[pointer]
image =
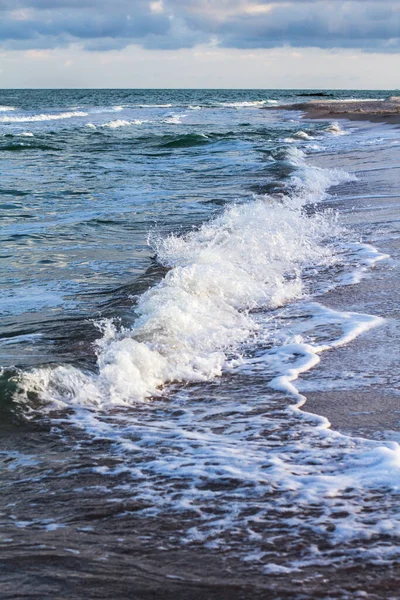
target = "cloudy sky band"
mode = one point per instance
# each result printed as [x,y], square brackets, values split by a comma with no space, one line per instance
[100,26]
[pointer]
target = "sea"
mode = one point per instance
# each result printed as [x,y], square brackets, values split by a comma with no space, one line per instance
[181,270]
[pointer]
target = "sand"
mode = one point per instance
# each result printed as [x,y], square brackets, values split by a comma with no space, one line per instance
[384,111]
[365,399]
[357,386]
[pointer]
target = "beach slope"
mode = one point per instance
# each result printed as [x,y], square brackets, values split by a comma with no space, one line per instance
[387,110]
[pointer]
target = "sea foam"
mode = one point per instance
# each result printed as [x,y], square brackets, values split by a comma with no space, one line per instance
[122,123]
[246,104]
[43,117]
[249,257]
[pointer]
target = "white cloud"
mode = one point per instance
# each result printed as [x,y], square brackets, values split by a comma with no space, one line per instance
[157,6]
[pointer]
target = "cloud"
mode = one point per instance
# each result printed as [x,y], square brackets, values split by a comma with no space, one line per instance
[101,25]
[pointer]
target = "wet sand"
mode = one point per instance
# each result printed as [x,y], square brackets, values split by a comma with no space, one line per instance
[357,386]
[381,111]
[390,119]
[372,117]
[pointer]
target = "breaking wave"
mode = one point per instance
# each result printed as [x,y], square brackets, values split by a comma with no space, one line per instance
[249,257]
[43,117]
[122,123]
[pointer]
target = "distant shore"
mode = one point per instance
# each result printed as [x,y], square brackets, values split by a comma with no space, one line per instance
[378,111]
[390,119]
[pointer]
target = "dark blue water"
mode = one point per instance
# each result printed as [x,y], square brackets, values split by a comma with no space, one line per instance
[172,445]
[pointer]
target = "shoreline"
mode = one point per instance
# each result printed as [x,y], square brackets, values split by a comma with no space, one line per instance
[365,400]
[379,111]
[388,119]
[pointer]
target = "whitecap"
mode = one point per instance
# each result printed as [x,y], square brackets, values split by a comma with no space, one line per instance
[174,119]
[302,135]
[250,256]
[243,104]
[122,123]
[116,124]
[43,117]
[335,129]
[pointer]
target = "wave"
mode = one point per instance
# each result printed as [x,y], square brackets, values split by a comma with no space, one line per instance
[187,140]
[6,108]
[116,124]
[249,257]
[246,103]
[302,135]
[153,105]
[173,119]
[123,123]
[107,109]
[43,117]
[335,129]
[299,135]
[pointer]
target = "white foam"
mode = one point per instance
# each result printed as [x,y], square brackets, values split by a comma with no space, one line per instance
[154,105]
[309,183]
[26,134]
[123,123]
[174,119]
[104,109]
[246,104]
[43,117]
[6,108]
[116,124]
[335,129]
[359,100]
[365,257]
[282,468]
[302,135]
[307,354]
[250,256]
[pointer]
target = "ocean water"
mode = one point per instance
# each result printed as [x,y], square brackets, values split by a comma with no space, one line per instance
[168,259]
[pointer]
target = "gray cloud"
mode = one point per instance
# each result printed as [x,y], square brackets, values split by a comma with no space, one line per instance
[105,24]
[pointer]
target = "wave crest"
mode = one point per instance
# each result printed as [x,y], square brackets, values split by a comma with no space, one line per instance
[251,256]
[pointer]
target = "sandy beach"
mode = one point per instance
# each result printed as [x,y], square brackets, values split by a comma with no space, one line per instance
[365,400]
[377,111]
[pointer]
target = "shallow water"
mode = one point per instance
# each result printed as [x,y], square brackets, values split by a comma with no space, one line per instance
[171,260]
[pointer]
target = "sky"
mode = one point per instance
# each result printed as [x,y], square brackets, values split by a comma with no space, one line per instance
[200,43]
